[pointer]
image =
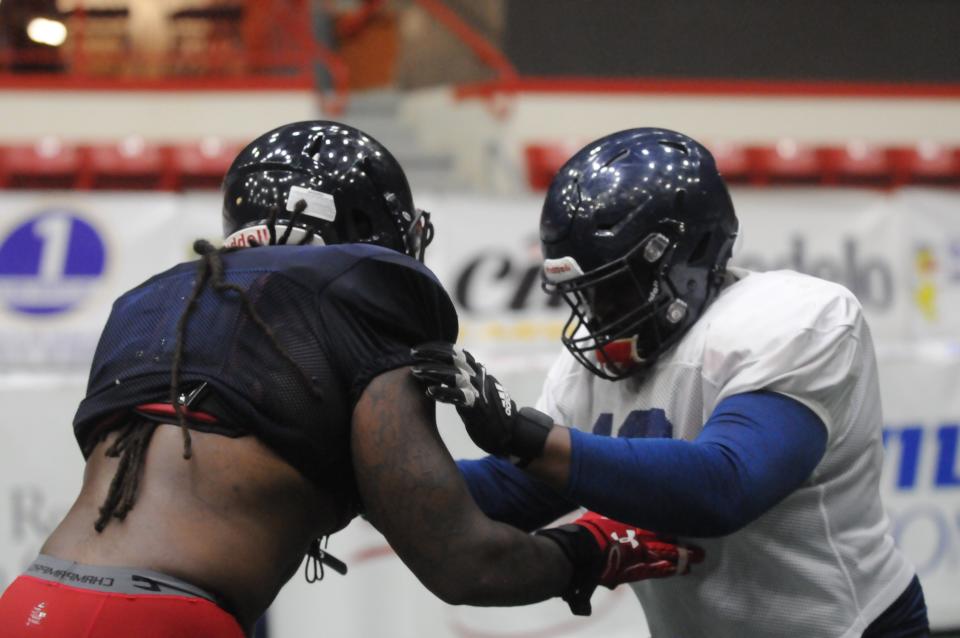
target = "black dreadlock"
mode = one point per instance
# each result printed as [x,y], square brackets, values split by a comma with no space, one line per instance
[131,446]
[134,438]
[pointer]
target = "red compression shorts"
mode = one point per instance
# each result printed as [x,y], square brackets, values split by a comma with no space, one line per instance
[60,599]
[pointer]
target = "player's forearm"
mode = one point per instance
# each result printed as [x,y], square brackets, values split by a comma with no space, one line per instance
[553,466]
[413,493]
[498,565]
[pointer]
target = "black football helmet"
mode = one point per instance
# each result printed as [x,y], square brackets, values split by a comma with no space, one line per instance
[321,182]
[636,230]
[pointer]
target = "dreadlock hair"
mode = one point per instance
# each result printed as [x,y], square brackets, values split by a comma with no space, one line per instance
[134,438]
[131,446]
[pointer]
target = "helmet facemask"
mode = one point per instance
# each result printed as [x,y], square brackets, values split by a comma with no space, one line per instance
[624,313]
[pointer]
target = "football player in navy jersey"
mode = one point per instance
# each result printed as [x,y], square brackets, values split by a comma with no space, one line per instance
[735,409]
[242,406]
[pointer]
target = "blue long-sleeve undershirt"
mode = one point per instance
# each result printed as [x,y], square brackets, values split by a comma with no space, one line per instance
[755,449]
[508,494]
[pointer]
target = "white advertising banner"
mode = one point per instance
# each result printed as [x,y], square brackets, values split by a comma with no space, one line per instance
[65,257]
[200,218]
[41,463]
[931,261]
[921,481]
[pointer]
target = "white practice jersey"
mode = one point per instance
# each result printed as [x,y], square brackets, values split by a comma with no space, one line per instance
[822,561]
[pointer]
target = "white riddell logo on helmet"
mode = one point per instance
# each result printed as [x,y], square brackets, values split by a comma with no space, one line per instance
[260,236]
[563,269]
[256,236]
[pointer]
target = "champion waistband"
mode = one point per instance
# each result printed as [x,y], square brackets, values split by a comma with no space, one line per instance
[118,580]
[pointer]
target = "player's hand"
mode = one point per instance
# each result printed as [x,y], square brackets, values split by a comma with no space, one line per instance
[451,375]
[609,553]
[632,554]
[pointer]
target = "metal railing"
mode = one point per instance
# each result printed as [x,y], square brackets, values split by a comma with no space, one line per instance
[253,44]
[481,47]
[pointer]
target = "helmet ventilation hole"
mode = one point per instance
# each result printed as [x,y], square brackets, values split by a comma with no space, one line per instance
[675,146]
[315,146]
[605,227]
[617,157]
[700,251]
[679,199]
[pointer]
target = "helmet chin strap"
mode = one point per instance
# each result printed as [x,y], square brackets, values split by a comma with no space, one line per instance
[419,235]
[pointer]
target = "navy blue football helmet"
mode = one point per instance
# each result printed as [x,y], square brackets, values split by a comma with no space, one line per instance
[321,182]
[636,230]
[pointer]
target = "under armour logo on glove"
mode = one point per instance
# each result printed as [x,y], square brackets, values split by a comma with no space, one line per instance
[606,552]
[636,554]
[630,538]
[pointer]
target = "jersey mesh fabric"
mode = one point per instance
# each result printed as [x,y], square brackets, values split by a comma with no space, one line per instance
[343,313]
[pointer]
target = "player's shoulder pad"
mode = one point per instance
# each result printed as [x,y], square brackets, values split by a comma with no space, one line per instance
[785,332]
[183,269]
[385,255]
[322,262]
[396,288]
[764,309]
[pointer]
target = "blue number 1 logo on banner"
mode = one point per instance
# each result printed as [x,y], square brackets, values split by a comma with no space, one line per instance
[49,263]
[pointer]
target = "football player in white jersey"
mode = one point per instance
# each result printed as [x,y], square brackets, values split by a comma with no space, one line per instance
[738,410]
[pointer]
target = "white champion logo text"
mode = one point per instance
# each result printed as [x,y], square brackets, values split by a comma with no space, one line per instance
[37,614]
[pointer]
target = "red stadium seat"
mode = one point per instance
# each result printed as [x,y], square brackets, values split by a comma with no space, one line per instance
[543,160]
[49,163]
[202,164]
[856,163]
[786,162]
[136,164]
[925,163]
[129,164]
[732,160]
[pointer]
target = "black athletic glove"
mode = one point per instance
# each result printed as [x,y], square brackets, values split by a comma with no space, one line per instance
[453,376]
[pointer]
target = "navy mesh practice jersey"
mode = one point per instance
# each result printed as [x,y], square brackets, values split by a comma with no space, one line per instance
[345,314]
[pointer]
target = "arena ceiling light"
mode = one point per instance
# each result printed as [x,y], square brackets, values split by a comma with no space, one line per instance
[46,31]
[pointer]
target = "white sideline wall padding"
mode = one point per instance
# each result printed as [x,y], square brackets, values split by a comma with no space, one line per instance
[65,256]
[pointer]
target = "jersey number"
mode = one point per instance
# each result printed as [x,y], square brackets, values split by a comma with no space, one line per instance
[646,424]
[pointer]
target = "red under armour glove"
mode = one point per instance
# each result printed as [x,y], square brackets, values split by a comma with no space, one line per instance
[609,553]
[633,554]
